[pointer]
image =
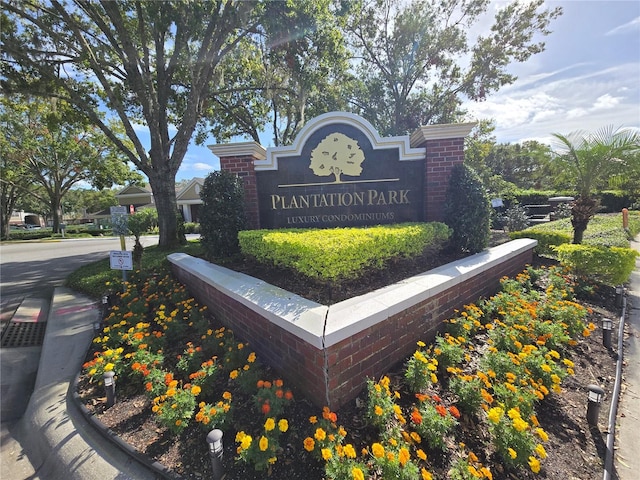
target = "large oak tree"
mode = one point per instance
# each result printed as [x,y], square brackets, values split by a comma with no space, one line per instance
[46,144]
[417,60]
[148,65]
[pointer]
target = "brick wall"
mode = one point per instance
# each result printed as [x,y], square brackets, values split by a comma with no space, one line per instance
[243,167]
[442,156]
[334,374]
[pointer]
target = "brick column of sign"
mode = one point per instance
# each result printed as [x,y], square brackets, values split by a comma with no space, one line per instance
[442,155]
[243,167]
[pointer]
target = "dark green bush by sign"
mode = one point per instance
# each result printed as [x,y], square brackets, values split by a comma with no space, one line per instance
[467,211]
[222,215]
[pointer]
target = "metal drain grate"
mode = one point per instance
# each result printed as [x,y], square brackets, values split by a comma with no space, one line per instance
[23,334]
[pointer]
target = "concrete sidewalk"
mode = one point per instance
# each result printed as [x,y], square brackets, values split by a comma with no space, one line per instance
[59,442]
[627,444]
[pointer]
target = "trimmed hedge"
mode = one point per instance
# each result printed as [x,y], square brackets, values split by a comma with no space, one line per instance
[611,266]
[547,240]
[339,253]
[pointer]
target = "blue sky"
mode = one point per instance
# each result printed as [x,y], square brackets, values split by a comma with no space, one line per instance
[587,78]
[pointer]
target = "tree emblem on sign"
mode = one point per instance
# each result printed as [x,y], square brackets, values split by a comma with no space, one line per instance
[336,155]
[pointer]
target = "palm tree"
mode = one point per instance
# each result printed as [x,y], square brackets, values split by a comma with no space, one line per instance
[592,159]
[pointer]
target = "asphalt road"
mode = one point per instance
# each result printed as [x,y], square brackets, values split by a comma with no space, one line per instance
[34,268]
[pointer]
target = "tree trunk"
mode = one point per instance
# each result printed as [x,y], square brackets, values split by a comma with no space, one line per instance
[164,196]
[582,212]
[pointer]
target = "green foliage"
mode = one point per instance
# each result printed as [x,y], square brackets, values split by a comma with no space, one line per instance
[603,230]
[191,227]
[91,279]
[611,266]
[546,239]
[412,69]
[142,221]
[334,254]
[222,214]
[613,201]
[467,211]
[515,218]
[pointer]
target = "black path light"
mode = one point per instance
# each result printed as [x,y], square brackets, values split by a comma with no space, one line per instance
[619,295]
[595,396]
[607,326]
[214,440]
[110,387]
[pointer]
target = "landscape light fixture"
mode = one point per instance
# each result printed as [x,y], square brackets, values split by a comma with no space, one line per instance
[595,396]
[607,325]
[110,387]
[214,440]
[619,295]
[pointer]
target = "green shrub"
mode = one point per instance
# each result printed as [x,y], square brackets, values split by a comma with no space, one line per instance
[546,239]
[222,214]
[611,266]
[338,253]
[191,227]
[613,201]
[515,218]
[467,211]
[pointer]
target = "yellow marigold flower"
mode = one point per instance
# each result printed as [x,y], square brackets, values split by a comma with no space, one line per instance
[195,390]
[512,453]
[245,443]
[226,395]
[357,474]
[542,434]
[326,454]
[403,456]
[473,457]
[264,443]
[391,457]
[426,475]
[378,410]
[270,424]
[434,379]
[421,455]
[534,464]
[178,422]
[349,451]
[233,374]
[519,424]
[171,392]
[313,419]
[415,437]
[513,413]
[342,432]
[283,425]
[377,450]
[109,367]
[555,378]
[320,434]
[542,453]
[252,357]
[495,414]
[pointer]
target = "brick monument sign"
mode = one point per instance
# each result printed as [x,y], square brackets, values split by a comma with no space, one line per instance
[340,172]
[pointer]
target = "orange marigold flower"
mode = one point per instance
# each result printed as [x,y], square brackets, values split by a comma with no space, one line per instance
[309,444]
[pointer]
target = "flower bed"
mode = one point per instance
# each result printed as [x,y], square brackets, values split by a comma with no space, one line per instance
[497,362]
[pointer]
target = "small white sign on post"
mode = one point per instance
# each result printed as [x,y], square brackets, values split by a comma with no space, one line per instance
[121,260]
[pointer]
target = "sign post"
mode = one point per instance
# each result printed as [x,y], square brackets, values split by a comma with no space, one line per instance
[120,227]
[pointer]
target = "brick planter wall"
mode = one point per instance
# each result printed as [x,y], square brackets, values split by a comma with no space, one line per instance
[328,352]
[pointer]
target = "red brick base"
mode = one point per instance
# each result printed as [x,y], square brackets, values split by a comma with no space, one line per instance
[328,352]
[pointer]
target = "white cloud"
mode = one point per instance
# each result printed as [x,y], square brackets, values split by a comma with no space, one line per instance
[202,166]
[632,26]
[606,101]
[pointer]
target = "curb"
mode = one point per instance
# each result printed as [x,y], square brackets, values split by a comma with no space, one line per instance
[111,436]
